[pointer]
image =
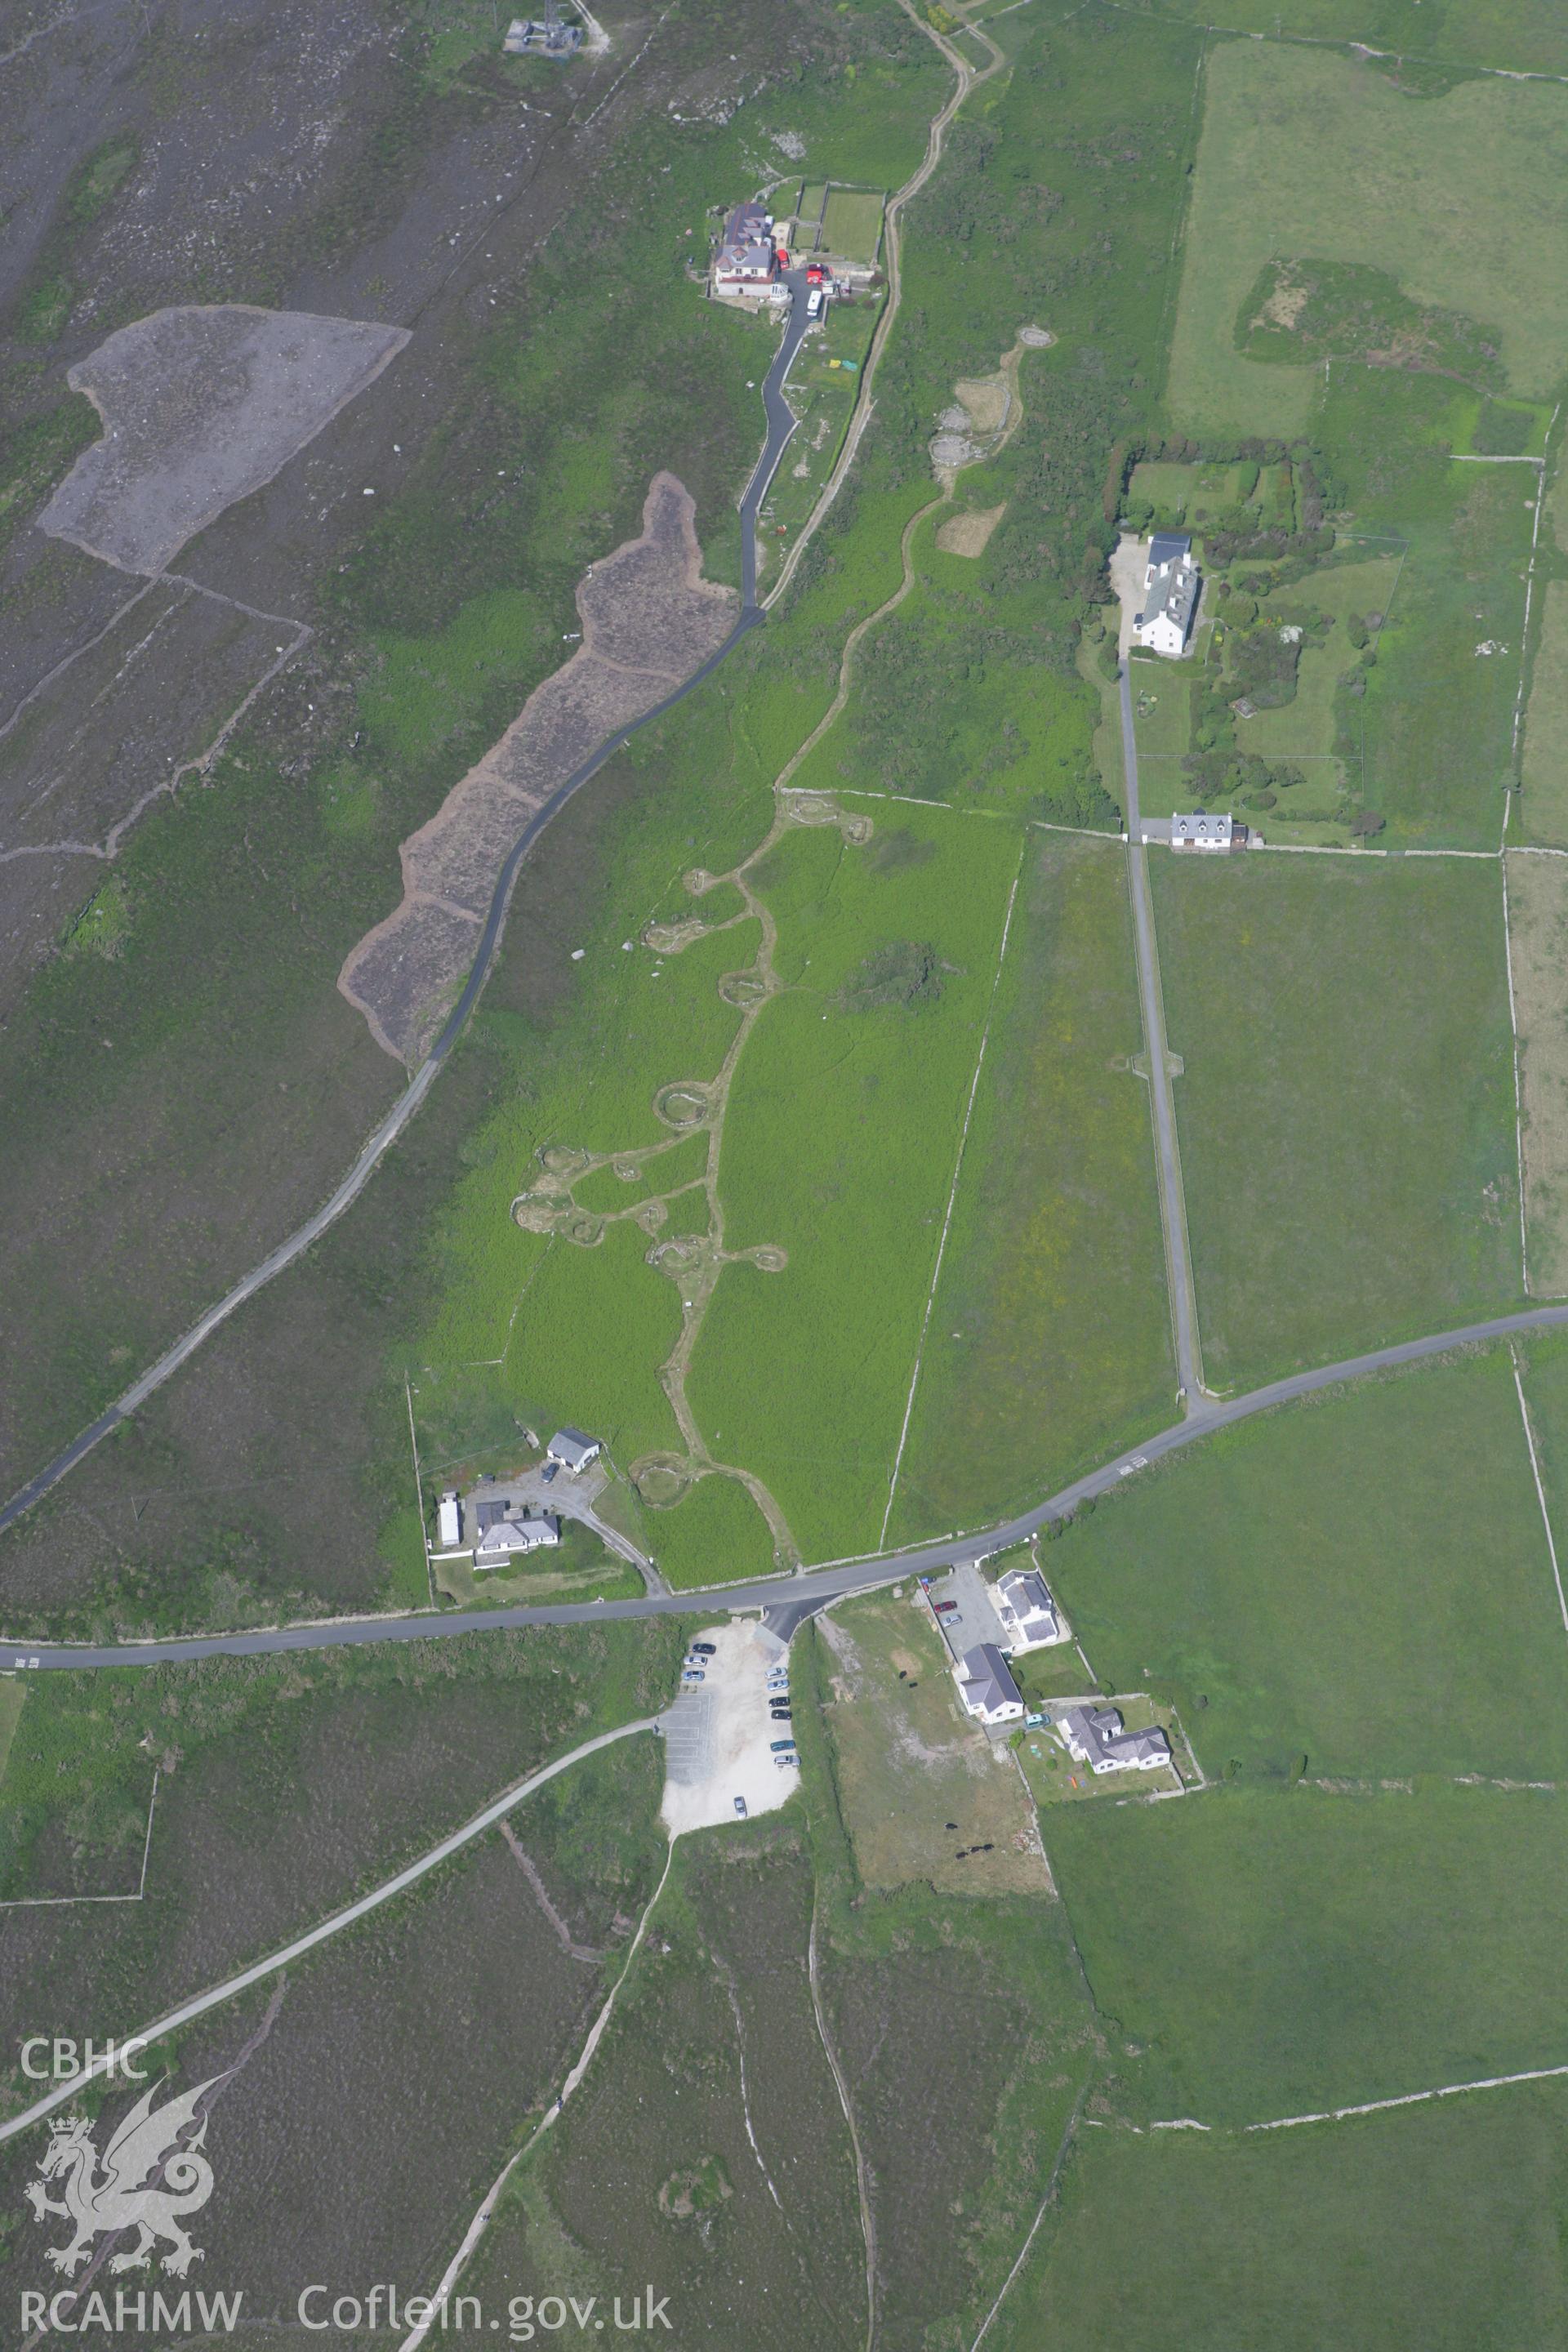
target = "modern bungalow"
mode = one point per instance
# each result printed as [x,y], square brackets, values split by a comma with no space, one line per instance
[1095,1735]
[985,1687]
[1171,585]
[504,1539]
[1029,1617]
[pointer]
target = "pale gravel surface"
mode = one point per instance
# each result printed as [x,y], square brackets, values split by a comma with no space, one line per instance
[718,1731]
[201,404]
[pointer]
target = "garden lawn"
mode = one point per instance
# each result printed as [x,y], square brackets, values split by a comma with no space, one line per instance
[840,1145]
[1346,1114]
[1279,1953]
[1463,197]
[1430,2230]
[1304,729]
[852,226]
[1049,1340]
[1360,1579]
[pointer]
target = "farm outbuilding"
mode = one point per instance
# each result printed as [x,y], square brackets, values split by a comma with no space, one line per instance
[573,1449]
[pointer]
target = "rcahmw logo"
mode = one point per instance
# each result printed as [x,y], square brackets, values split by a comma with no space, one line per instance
[150,2175]
[131,2310]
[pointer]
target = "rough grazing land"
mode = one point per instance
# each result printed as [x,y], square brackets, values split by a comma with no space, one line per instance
[909,1761]
[389,2077]
[649,619]
[1545,805]
[85,758]
[1538,926]
[1307,155]
[707,2150]
[201,406]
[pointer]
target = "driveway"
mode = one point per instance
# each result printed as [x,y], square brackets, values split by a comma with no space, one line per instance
[975,1619]
[717,1733]
[1128,566]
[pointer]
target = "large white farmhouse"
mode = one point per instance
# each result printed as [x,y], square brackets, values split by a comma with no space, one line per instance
[1171,584]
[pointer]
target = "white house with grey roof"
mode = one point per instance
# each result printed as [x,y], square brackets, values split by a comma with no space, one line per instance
[1171,582]
[1030,1618]
[511,1536]
[1202,830]
[985,1687]
[573,1449]
[1097,1736]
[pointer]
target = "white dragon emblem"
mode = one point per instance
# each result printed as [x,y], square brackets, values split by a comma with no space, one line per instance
[147,2184]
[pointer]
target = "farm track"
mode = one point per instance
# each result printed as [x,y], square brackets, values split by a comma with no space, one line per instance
[969,78]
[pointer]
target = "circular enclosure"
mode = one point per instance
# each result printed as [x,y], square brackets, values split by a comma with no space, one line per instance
[660,1480]
[682,1106]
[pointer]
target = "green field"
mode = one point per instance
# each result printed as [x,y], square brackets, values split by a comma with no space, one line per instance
[1544,1356]
[1524,36]
[1463,197]
[1543,808]
[1049,1339]
[840,1148]
[1432,715]
[1359,1580]
[714,1535]
[1346,1114]
[1424,2230]
[1273,1953]
[1015,737]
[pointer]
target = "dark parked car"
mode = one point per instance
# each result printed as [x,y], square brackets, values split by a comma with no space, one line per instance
[706,1649]
[782,1747]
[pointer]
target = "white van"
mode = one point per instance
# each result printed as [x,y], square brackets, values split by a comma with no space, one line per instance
[813,303]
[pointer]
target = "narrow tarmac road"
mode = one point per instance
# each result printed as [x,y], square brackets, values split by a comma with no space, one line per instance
[1168,1161]
[788,1599]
